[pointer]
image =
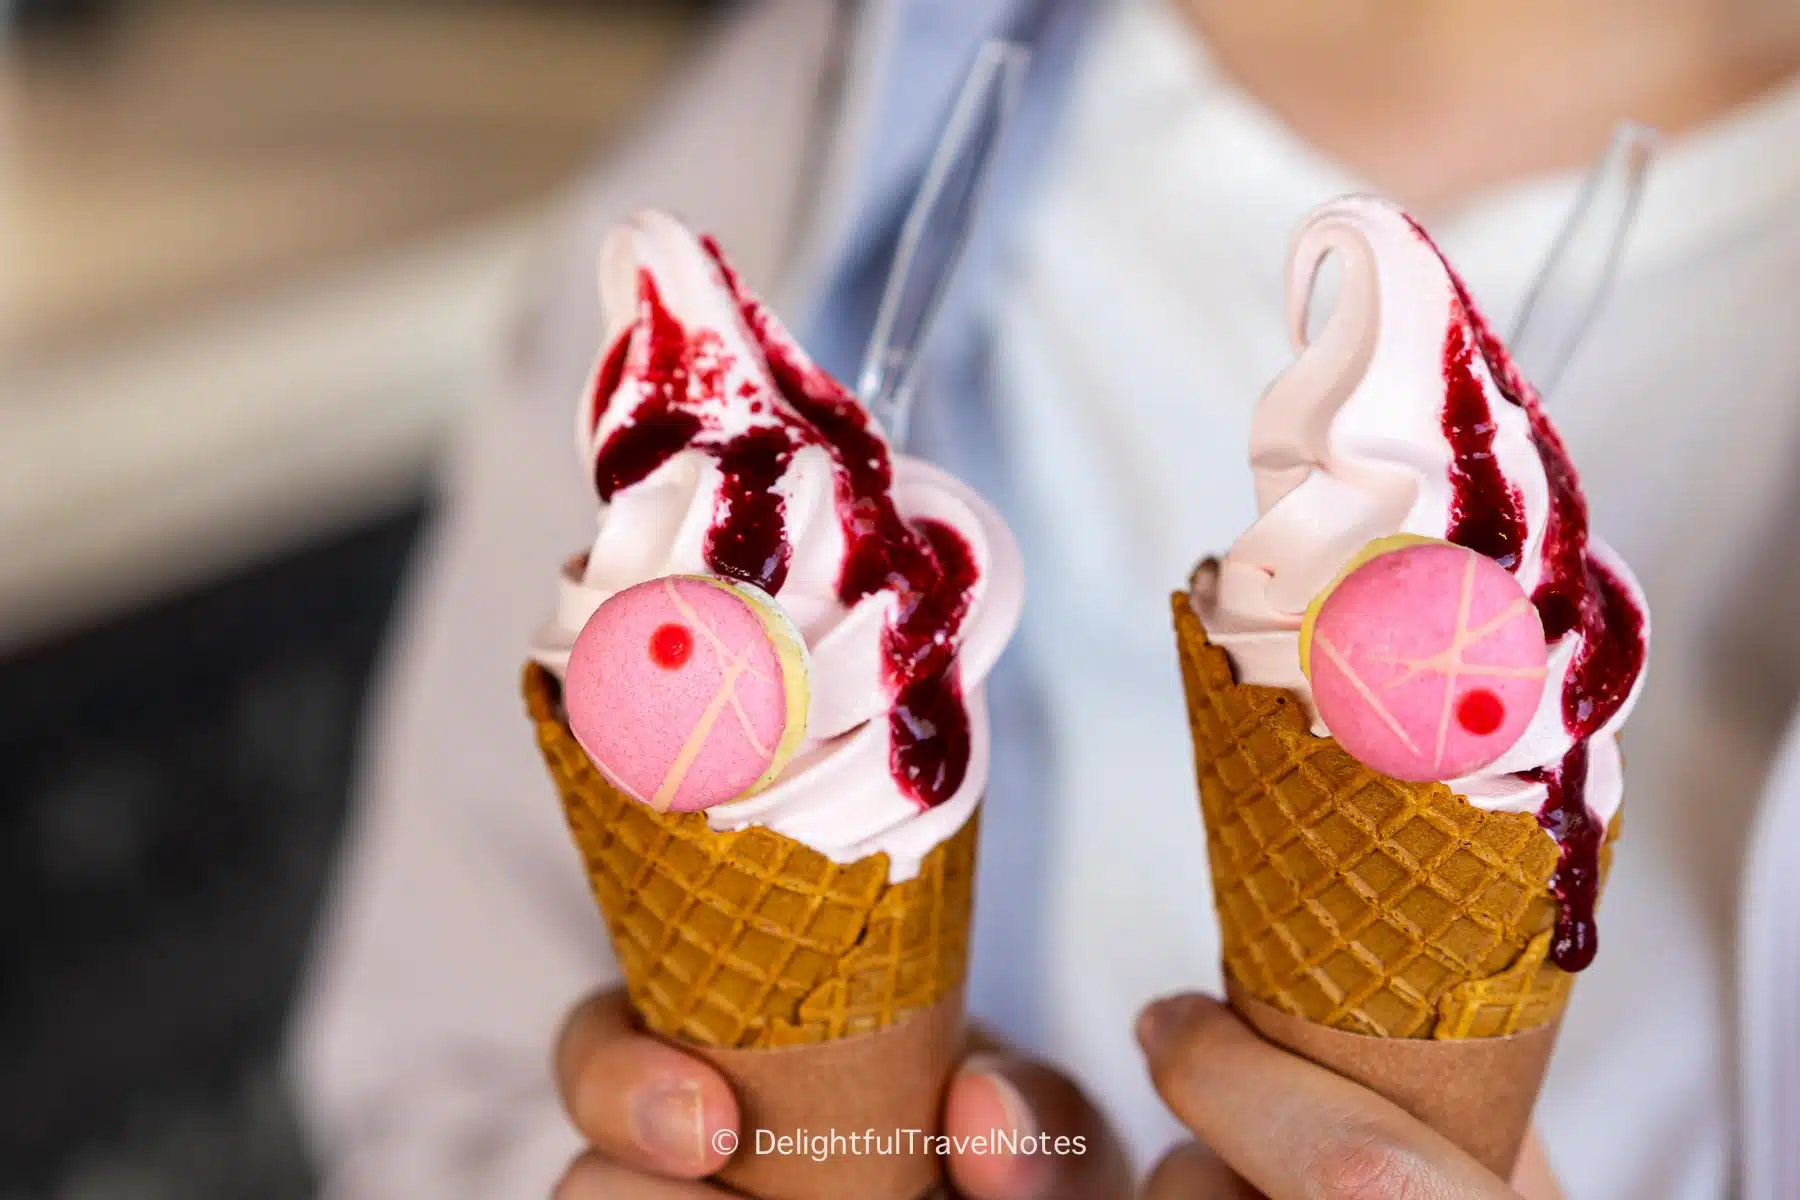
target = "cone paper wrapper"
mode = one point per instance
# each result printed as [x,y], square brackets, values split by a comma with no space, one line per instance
[890,1082]
[1478,1092]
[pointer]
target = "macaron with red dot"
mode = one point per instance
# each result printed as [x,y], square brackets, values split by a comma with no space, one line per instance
[688,691]
[1427,659]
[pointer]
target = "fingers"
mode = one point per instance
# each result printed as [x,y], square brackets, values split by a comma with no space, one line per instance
[1064,1146]
[636,1100]
[592,1177]
[1294,1130]
[1192,1172]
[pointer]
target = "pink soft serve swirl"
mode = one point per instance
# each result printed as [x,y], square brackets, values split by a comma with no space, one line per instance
[718,448]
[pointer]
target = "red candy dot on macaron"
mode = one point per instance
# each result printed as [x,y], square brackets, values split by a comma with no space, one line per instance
[671,645]
[1480,711]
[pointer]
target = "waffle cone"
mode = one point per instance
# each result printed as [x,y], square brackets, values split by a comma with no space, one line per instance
[749,939]
[1355,901]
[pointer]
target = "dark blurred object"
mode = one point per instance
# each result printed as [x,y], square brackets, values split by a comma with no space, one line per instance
[174,788]
[55,17]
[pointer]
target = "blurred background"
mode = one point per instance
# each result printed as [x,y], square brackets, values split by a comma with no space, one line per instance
[253,256]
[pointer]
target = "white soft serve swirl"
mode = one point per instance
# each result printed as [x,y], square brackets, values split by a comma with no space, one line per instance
[838,794]
[1348,445]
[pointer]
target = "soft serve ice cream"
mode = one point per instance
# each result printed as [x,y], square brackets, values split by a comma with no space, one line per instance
[1405,415]
[718,449]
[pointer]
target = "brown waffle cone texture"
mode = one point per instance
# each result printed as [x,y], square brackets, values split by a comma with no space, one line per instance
[750,939]
[1353,900]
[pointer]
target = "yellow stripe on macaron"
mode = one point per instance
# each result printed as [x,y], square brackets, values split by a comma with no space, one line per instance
[796,672]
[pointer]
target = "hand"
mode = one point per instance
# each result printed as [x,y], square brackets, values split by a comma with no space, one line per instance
[995,1090]
[1269,1123]
[651,1113]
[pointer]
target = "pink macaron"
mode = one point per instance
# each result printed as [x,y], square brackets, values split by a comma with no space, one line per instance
[688,691]
[1427,659]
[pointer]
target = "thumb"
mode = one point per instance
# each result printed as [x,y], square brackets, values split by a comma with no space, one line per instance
[1020,1131]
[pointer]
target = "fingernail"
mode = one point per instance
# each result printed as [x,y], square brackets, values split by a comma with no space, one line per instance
[667,1120]
[1019,1117]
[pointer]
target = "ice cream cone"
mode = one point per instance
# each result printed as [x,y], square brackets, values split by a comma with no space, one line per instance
[1364,919]
[830,997]
[1405,684]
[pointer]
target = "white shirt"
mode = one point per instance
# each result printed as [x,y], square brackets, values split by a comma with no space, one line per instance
[1135,335]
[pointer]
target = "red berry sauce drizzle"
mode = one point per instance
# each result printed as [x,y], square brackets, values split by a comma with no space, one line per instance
[1575,593]
[679,376]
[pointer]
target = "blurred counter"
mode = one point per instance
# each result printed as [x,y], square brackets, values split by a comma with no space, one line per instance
[146,463]
[253,257]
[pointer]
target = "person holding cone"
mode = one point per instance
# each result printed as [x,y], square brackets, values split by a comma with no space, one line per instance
[1094,376]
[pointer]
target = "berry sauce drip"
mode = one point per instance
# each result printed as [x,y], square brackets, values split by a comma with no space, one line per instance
[681,377]
[1599,680]
[930,724]
[1576,882]
[606,382]
[748,538]
[1486,514]
[1564,588]
[1575,593]
[926,565]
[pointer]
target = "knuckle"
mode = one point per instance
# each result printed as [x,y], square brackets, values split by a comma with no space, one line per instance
[1357,1161]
